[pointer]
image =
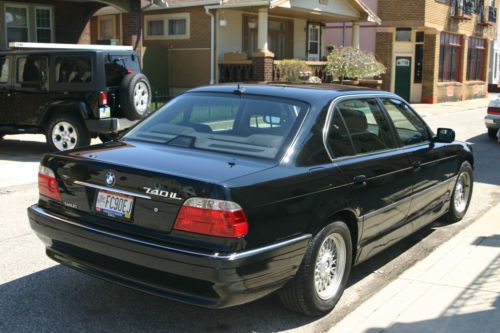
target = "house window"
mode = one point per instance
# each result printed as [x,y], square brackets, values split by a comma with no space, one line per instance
[280,37]
[16,23]
[177,27]
[43,23]
[168,26]
[475,59]
[155,28]
[107,27]
[449,57]
[403,34]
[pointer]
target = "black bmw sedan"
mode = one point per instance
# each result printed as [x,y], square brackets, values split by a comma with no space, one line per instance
[229,193]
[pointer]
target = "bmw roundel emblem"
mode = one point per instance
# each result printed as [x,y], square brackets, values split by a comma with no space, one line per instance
[110,178]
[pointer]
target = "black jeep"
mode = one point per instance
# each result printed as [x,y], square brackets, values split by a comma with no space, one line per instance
[71,96]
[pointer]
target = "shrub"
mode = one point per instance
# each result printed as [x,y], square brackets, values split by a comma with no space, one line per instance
[293,70]
[353,63]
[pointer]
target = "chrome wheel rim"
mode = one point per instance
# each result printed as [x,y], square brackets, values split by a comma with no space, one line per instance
[330,266]
[141,97]
[462,192]
[64,136]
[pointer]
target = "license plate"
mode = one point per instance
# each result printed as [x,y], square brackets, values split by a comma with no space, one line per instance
[114,204]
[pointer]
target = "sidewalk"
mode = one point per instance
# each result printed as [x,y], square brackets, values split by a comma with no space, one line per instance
[448,107]
[455,289]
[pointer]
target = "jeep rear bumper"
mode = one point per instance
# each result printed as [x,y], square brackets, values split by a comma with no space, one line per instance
[108,125]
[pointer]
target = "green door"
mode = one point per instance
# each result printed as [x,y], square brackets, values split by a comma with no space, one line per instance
[403,77]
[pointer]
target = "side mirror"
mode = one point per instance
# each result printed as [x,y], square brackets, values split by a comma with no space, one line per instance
[445,135]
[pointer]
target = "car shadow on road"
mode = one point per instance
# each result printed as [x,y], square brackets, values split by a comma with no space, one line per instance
[22,151]
[59,299]
[487,159]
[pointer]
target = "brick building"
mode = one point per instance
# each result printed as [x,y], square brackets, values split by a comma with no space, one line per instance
[64,21]
[436,50]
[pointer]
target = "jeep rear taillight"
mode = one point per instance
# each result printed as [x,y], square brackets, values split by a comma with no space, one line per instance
[211,217]
[47,184]
[103,98]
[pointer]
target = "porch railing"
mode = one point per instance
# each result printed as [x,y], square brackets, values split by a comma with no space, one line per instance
[492,14]
[235,71]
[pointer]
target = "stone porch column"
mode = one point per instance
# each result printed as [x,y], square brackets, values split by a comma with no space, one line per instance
[132,27]
[355,35]
[263,59]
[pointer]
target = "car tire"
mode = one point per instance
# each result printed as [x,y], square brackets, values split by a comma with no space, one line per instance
[135,96]
[461,195]
[66,131]
[304,293]
[492,133]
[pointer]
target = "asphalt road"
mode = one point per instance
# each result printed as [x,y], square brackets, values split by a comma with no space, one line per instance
[39,295]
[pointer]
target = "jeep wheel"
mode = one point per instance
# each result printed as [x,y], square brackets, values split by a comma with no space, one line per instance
[64,132]
[135,96]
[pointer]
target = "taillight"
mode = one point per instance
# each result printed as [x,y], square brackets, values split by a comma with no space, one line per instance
[493,110]
[103,98]
[47,184]
[129,70]
[212,217]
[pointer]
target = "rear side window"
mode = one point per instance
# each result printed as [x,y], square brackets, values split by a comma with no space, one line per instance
[32,72]
[4,69]
[74,69]
[410,129]
[368,127]
[117,67]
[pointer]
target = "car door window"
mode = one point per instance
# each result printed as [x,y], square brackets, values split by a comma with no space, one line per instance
[32,72]
[338,140]
[367,125]
[4,69]
[409,127]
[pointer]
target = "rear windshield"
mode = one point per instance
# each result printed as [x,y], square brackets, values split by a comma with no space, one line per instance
[117,66]
[246,125]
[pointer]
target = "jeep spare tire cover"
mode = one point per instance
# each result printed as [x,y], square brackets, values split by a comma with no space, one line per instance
[135,96]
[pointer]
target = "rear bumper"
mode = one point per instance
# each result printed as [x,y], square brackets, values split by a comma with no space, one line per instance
[492,121]
[109,125]
[211,280]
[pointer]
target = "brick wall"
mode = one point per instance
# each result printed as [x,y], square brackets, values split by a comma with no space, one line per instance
[430,69]
[132,26]
[383,52]
[401,13]
[263,68]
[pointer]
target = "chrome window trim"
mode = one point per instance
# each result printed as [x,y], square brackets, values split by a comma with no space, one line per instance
[329,117]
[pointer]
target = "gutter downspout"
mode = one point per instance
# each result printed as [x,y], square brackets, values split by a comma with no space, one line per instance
[212,45]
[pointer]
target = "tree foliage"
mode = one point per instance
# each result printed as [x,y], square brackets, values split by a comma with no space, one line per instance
[353,63]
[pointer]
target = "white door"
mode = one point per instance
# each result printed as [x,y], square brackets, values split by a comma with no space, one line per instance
[314,42]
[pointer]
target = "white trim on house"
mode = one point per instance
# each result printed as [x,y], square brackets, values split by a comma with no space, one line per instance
[165,18]
[16,5]
[52,30]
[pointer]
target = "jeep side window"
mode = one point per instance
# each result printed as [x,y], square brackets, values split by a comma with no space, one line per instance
[4,69]
[73,69]
[32,72]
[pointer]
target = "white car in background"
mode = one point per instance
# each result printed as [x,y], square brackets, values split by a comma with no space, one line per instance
[492,119]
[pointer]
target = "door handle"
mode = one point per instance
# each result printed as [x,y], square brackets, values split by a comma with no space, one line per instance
[359,180]
[417,165]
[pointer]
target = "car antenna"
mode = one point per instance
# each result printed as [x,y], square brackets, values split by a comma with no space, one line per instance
[239,90]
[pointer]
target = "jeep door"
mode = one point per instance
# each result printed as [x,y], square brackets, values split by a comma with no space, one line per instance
[368,157]
[7,114]
[30,88]
[434,164]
